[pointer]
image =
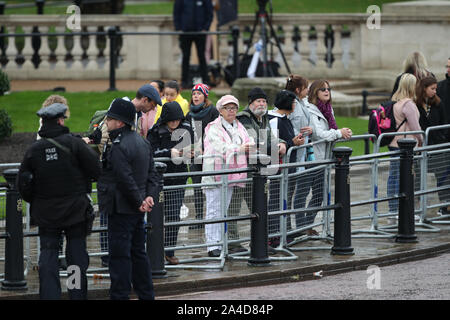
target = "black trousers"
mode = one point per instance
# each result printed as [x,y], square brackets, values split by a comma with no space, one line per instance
[76,256]
[185,45]
[128,260]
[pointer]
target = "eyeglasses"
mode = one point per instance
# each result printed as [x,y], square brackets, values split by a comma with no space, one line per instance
[448,67]
[325,89]
[231,109]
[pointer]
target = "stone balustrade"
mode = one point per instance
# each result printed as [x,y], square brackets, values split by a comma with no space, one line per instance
[354,50]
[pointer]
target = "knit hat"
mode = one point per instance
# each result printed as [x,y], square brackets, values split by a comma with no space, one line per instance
[203,88]
[284,100]
[151,93]
[226,99]
[122,110]
[171,111]
[256,93]
[53,111]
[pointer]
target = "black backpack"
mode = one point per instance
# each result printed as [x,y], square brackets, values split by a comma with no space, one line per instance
[382,120]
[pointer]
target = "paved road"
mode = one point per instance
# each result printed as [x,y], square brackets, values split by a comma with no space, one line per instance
[427,279]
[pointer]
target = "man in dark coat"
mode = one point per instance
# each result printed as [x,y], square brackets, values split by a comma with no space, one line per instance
[55,177]
[193,16]
[130,187]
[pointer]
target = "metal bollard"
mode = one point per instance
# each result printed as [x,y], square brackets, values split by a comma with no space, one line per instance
[259,255]
[14,276]
[406,226]
[155,236]
[342,226]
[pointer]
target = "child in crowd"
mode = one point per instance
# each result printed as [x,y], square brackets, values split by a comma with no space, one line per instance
[172,93]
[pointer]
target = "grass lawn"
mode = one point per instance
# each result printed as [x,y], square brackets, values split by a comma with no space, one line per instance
[22,107]
[244,6]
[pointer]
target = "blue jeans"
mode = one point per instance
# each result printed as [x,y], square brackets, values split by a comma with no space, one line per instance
[313,180]
[393,182]
[128,260]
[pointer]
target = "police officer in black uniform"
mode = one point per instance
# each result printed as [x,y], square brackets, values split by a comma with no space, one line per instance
[129,184]
[55,177]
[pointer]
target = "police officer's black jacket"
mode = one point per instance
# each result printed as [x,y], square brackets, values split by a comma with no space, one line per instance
[162,141]
[128,175]
[61,178]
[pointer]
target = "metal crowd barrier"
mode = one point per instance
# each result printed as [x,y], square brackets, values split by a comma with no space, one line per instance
[191,244]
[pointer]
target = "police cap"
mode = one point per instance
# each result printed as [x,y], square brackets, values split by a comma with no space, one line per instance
[53,111]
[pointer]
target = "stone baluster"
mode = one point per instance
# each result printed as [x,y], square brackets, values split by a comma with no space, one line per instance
[355,39]
[287,47]
[60,51]
[337,50]
[321,49]
[11,52]
[106,57]
[44,51]
[305,50]
[224,48]
[27,51]
[77,53]
[92,50]
[122,51]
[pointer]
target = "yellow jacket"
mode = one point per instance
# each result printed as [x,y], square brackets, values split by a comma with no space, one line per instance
[184,104]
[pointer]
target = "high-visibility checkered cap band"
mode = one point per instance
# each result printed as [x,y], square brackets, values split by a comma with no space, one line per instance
[203,88]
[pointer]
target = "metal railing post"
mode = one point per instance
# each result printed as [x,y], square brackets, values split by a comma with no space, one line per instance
[406,224]
[14,276]
[155,235]
[259,254]
[40,6]
[235,35]
[364,94]
[342,223]
[112,34]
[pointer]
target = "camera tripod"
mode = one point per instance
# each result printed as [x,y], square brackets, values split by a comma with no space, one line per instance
[262,17]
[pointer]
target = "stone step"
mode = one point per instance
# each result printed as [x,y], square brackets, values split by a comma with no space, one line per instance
[357,91]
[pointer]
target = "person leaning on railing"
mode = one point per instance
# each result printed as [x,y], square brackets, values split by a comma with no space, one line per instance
[324,127]
[227,138]
[171,137]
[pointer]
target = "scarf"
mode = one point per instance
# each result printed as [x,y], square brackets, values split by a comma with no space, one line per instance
[232,130]
[198,111]
[327,112]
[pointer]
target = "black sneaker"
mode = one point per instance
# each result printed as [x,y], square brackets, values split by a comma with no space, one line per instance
[214,253]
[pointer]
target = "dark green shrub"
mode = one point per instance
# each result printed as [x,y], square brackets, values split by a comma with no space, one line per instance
[4,82]
[5,124]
